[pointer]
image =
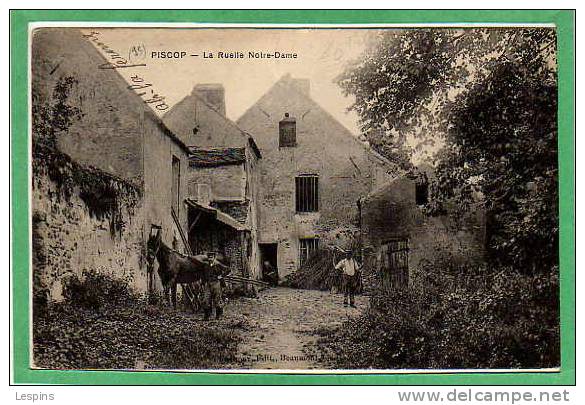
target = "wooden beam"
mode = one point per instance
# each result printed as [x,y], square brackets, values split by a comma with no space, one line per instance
[194,223]
[183,237]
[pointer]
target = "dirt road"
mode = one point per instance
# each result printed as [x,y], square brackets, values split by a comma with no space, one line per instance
[281,323]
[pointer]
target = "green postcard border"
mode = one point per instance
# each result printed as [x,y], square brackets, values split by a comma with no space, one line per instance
[19,20]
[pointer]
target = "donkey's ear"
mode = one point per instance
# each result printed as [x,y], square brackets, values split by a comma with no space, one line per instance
[159,235]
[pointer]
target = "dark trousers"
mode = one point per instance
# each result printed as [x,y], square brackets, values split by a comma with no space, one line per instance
[212,298]
[349,285]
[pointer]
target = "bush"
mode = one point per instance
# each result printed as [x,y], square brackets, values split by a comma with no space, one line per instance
[456,317]
[95,289]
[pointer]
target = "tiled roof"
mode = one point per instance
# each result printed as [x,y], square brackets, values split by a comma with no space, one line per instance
[216,157]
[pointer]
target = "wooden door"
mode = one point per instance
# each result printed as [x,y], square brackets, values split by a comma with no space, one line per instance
[394,263]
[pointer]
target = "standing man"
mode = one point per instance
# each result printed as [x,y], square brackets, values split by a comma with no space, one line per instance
[349,277]
[270,273]
[212,291]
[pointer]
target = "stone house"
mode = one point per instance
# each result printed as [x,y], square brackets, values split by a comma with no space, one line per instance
[312,173]
[222,179]
[115,170]
[301,182]
[399,238]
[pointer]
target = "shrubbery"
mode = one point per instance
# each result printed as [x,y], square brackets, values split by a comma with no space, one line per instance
[102,325]
[456,317]
[94,289]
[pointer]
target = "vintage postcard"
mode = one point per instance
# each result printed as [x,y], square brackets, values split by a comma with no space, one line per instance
[299,199]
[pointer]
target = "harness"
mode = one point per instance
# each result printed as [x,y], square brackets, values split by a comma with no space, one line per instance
[156,250]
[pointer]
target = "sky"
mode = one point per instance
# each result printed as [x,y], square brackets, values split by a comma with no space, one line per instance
[322,56]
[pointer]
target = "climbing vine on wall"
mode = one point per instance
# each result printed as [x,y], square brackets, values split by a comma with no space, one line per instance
[101,192]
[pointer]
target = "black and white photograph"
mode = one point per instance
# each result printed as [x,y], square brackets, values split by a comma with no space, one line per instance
[299,199]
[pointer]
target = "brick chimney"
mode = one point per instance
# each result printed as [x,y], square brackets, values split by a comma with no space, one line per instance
[213,94]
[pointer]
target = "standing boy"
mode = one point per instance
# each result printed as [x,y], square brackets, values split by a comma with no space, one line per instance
[350,278]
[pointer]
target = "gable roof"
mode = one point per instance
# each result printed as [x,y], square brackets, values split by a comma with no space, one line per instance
[288,83]
[92,51]
[200,125]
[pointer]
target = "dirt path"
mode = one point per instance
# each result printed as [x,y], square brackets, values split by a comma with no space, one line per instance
[281,321]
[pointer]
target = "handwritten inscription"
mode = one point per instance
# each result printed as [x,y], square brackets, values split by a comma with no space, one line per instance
[138,84]
[117,61]
[146,92]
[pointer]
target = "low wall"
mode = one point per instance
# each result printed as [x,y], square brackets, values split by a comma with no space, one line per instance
[84,219]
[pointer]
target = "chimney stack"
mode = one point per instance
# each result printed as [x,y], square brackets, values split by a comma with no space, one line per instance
[213,94]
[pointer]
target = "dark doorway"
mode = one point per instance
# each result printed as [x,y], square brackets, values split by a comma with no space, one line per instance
[269,257]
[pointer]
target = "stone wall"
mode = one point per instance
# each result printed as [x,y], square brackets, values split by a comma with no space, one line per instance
[159,150]
[238,210]
[71,235]
[347,170]
[227,181]
[210,235]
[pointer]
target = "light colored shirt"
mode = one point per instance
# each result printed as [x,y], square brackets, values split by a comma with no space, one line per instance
[348,266]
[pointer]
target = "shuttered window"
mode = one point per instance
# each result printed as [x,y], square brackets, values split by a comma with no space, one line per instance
[307,193]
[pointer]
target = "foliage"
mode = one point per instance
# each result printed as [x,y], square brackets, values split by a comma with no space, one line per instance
[482,103]
[101,192]
[94,289]
[40,292]
[458,317]
[513,156]
[54,116]
[102,325]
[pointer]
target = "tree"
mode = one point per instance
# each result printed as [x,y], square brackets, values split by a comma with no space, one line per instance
[482,104]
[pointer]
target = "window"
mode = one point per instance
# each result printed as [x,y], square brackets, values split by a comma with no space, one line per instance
[308,246]
[307,193]
[287,132]
[176,185]
[422,193]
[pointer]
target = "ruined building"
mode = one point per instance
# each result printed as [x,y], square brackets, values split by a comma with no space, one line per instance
[312,173]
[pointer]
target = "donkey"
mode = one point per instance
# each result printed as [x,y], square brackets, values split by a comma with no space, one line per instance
[175,268]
